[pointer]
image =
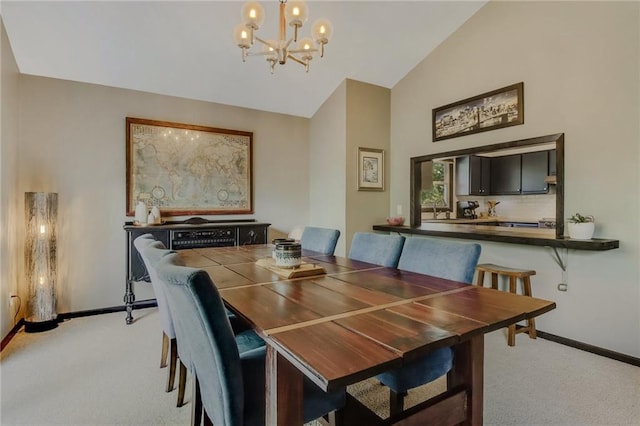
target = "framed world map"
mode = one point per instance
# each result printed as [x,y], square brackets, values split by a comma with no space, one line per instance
[186,169]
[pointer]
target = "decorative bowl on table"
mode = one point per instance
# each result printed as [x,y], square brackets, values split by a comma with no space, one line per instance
[395,221]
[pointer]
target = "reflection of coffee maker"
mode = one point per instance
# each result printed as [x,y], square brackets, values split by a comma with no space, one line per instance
[467,209]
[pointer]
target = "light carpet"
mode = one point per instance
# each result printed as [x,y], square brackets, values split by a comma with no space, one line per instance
[99,371]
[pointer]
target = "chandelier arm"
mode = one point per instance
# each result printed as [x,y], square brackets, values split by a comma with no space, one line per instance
[302,50]
[286,46]
[259,53]
[295,59]
[266,43]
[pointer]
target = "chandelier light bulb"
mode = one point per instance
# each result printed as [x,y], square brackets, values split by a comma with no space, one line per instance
[296,13]
[307,48]
[242,36]
[253,14]
[322,31]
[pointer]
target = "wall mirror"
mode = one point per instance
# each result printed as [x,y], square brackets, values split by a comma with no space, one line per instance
[435,186]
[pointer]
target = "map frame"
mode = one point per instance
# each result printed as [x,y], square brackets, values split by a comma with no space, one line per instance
[138,183]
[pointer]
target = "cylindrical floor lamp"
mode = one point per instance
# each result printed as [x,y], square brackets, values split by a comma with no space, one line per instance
[41,214]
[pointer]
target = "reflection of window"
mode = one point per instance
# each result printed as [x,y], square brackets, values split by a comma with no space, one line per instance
[436,188]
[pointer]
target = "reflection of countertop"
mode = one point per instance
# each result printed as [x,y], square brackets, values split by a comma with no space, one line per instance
[483,220]
[476,231]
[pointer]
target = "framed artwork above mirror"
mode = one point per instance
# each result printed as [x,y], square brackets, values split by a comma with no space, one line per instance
[499,108]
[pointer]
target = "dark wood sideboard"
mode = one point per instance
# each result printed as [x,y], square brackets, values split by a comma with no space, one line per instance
[188,234]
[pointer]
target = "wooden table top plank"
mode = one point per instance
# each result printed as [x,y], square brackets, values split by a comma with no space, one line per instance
[315,297]
[376,281]
[265,308]
[334,356]
[532,306]
[400,334]
[227,257]
[434,283]
[195,259]
[363,294]
[254,273]
[349,264]
[457,324]
[257,251]
[224,277]
[330,268]
[496,308]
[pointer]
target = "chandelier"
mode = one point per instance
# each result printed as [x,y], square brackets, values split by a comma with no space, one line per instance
[295,13]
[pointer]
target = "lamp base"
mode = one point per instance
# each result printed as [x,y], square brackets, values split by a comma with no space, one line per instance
[37,327]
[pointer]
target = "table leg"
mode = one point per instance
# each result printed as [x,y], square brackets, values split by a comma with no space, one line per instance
[468,365]
[283,391]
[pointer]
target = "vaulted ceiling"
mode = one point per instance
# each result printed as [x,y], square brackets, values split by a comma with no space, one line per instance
[186,48]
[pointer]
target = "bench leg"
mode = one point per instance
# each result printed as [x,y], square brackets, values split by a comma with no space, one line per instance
[531,323]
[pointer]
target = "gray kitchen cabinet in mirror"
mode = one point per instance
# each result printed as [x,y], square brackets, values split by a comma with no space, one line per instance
[548,159]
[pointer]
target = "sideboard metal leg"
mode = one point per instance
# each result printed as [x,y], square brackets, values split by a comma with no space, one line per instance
[129,298]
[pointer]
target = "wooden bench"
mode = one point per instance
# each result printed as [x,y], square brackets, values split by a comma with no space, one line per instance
[514,274]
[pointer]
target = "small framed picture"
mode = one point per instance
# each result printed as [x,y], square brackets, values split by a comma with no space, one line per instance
[370,169]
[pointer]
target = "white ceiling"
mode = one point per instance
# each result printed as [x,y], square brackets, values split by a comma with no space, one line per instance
[186,49]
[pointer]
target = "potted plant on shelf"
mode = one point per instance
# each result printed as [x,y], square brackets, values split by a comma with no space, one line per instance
[581,227]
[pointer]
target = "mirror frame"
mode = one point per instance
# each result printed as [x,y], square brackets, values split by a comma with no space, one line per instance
[558,138]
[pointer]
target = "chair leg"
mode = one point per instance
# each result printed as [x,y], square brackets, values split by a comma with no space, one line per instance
[165,350]
[196,407]
[396,402]
[531,323]
[172,365]
[334,418]
[511,339]
[182,383]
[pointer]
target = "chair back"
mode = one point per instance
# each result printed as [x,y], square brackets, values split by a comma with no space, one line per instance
[155,253]
[380,249]
[322,240]
[444,259]
[195,300]
[141,243]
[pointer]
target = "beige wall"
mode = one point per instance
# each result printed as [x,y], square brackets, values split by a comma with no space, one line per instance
[327,139]
[10,250]
[355,115]
[368,126]
[580,65]
[72,141]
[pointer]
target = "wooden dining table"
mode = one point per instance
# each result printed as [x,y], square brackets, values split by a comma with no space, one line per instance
[357,320]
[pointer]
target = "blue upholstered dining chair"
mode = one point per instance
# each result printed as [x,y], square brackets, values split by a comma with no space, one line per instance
[151,251]
[322,240]
[231,381]
[380,249]
[246,340]
[444,259]
[169,345]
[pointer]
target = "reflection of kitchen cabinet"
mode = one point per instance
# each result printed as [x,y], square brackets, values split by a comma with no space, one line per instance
[535,167]
[473,175]
[506,174]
